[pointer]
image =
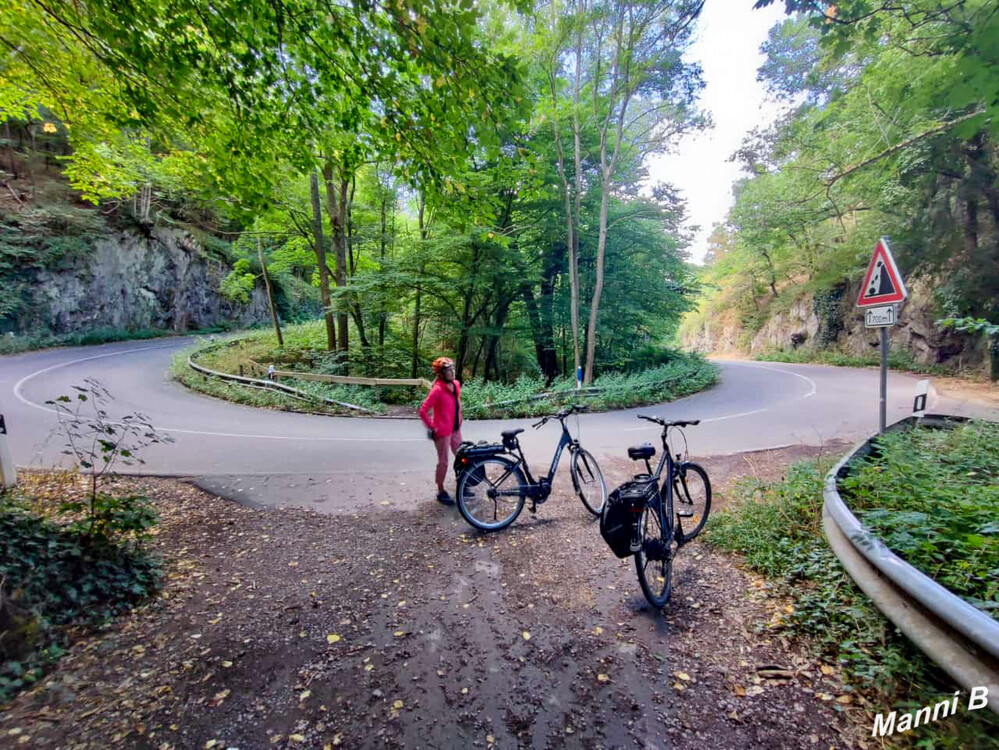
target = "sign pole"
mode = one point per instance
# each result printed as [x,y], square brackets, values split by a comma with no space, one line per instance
[880,293]
[8,474]
[884,379]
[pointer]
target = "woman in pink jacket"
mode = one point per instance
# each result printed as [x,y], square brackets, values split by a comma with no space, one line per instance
[444,428]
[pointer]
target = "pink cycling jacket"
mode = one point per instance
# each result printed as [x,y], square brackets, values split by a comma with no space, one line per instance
[442,402]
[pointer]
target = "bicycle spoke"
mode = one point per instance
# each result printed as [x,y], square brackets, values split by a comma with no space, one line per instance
[491,495]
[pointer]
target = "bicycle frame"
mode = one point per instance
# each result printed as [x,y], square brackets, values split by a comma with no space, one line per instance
[665,461]
[540,490]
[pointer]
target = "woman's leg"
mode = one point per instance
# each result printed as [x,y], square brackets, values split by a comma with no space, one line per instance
[442,444]
[455,441]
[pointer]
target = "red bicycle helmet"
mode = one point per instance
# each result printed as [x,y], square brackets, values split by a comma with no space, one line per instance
[440,363]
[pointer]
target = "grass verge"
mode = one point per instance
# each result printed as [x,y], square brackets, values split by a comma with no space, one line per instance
[902,361]
[17,344]
[777,527]
[261,397]
[682,375]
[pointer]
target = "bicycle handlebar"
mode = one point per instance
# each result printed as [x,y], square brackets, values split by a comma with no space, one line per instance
[675,423]
[561,414]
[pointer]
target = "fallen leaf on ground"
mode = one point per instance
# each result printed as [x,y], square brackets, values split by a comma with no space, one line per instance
[332,638]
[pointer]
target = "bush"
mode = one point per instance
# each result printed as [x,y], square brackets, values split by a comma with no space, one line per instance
[932,495]
[55,576]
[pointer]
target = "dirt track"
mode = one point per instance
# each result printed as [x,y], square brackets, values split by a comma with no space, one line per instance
[290,629]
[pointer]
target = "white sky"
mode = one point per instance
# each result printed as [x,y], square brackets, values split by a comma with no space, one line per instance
[727,45]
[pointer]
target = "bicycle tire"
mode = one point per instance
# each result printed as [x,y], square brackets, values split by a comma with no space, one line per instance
[588,481]
[693,496]
[657,588]
[474,502]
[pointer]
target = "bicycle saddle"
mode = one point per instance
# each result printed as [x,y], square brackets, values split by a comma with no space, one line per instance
[640,452]
[511,433]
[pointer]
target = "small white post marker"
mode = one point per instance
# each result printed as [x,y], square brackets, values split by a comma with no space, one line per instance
[8,474]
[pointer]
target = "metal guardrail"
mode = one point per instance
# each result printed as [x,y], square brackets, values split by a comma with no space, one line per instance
[573,393]
[961,639]
[344,379]
[266,384]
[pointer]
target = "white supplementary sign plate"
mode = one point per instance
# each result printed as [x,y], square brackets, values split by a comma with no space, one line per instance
[881,317]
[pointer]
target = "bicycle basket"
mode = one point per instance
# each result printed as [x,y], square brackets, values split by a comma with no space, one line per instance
[621,514]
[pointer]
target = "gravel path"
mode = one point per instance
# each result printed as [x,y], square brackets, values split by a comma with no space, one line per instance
[389,628]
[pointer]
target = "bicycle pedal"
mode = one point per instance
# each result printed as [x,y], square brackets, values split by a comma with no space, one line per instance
[533,508]
[685,513]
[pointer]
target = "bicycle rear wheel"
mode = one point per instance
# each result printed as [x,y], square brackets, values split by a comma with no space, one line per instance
[654,560]
[491,493]
[691,500]
[588,481]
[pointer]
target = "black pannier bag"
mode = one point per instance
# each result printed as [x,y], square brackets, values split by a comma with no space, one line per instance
[469,453]
[623,511]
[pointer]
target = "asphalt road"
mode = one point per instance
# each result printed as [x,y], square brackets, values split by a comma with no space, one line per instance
[332,463]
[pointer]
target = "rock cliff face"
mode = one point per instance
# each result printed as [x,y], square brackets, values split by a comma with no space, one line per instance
[132,281]
[832,321]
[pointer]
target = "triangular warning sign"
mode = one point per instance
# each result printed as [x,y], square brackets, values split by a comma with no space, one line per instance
[883,283]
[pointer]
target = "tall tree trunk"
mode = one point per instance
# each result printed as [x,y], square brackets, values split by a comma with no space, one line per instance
[571,215]
[416,330]
[336,200]
[478,356]
[355,305]
[598,287]
[320,249]
[416,315]
[492,350]
[534,318]
[574,240]
[550,270]
[10,148]
[270,294]
[382,315]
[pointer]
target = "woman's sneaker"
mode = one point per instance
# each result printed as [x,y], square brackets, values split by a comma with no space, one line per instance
[444,498]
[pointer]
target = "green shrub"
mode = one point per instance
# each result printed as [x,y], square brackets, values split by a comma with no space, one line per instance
[55,576]
[932,496]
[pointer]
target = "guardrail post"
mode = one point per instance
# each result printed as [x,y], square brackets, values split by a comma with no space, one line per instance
[8,474]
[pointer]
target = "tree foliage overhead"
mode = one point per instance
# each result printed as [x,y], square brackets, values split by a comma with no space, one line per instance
[890,129]
[390,165]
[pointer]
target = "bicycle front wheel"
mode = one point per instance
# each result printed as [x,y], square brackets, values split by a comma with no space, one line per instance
[691,500]
[654,559]
[491,493]
[588,481]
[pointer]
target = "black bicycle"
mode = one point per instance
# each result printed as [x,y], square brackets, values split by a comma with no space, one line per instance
[654,517]
[493,487]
